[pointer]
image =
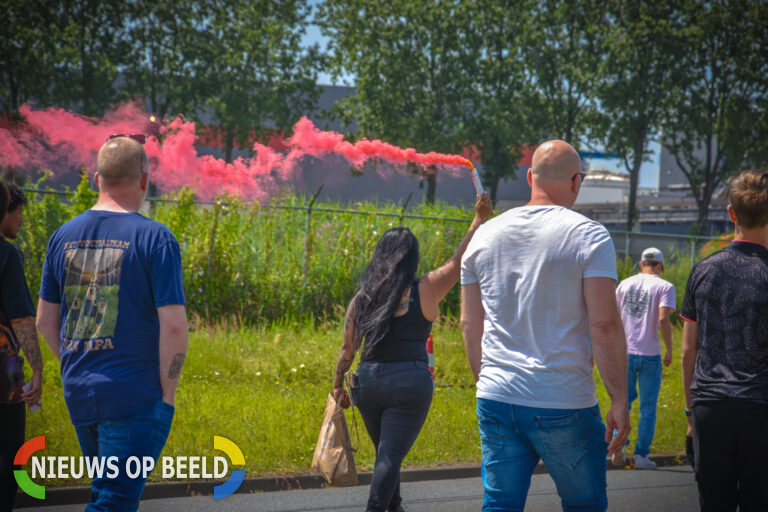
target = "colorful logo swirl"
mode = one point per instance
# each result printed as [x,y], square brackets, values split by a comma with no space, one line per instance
[22,477]
[236,478]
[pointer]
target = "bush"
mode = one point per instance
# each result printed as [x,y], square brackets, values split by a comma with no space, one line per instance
[247,261]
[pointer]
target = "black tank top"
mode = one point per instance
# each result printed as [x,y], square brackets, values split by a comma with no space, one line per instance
[407,336]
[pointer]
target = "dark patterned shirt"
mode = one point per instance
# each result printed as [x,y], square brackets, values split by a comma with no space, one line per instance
[727,295]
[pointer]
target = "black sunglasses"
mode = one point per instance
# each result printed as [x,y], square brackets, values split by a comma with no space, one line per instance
[581,175]
[138,137]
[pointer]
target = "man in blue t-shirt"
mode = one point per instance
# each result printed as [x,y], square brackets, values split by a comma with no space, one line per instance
[112,310]
[725,357]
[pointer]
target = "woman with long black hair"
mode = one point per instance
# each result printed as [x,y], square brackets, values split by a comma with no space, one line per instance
[391,317]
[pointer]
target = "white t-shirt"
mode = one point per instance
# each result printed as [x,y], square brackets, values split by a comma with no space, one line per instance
[639,298]
[530,263]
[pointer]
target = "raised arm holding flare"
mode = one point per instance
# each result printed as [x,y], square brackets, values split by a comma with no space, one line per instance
[391,318]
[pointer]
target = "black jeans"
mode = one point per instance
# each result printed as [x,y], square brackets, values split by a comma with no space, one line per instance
[13,419]
[394,400]
[731,450]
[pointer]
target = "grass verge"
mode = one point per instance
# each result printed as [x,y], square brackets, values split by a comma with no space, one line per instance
[265,389]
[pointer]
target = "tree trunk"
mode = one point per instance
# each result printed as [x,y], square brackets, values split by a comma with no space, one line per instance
[13,100]
[431,186]
[229,143]
[703,216]
[495,179]
[634,178]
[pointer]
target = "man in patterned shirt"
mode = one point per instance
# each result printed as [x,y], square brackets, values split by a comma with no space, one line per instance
[645,301]
[725,357]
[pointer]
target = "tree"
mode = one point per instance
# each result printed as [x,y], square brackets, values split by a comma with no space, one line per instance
[27,49]
[166,42]
[499,120]
[91,45]
[410,60]
[561,46]
[256,74]
[715,123]
[643,50]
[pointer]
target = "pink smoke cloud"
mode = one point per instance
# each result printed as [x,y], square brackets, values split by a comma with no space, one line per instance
[60,140]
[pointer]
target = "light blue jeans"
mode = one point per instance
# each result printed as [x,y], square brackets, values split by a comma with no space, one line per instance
[143,434]
[570,442]
[645,372]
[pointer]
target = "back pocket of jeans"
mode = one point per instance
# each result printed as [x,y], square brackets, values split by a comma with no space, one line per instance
[115,430]
[562,435]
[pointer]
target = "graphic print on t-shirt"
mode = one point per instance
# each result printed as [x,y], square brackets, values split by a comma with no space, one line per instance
[636,302]
[91,285]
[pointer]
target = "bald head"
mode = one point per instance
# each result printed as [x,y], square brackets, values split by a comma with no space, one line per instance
[121,161]
[555,160]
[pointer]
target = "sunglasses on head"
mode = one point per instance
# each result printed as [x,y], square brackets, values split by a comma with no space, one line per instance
[138,137]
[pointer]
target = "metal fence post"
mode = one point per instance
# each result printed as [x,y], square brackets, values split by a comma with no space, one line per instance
[402,211]
[693,251]
[627,244]
[211,247]
[307,242]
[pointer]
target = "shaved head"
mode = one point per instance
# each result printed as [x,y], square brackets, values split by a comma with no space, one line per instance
[555,160]
[121,161]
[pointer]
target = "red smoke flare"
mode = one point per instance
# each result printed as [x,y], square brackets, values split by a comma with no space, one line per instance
[61,141]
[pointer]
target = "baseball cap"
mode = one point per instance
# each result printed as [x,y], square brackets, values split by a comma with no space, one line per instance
[652,254]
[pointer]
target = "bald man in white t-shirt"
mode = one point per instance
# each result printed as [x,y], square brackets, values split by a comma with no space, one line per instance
[538,282]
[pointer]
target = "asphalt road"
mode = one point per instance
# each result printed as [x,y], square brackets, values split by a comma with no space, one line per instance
[670,489]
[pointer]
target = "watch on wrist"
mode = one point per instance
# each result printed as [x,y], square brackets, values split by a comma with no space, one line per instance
[688,413]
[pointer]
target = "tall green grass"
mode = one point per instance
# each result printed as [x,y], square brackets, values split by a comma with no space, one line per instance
[247,261]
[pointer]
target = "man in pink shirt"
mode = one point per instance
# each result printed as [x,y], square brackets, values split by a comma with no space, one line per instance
[645,301]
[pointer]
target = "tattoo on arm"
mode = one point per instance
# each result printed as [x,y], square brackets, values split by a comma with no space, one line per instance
[438,272]
[26,333]
[343,365]
[175,369]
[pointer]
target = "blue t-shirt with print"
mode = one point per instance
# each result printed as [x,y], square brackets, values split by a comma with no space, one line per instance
[110,272]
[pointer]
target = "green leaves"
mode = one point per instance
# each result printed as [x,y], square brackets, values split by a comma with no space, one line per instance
[409,62]
[255,73]
[715,125]
[643,44]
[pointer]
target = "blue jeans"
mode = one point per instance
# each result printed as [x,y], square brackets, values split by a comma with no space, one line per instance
[393,399]
[570,442]
[143,434]
[645,371]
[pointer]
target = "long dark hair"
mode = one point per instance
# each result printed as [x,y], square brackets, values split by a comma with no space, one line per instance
[391,271]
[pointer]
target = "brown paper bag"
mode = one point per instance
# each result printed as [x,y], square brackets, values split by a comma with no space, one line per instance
[334,456]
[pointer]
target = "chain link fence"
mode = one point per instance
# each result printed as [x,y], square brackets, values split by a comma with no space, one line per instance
[295,257]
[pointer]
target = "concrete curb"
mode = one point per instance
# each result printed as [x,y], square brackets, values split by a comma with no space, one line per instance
[57,496]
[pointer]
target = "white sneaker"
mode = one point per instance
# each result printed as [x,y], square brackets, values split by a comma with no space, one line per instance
[642,462]
[619,459]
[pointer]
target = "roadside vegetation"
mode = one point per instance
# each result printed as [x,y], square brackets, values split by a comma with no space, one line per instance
[265,389]
[260,365]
